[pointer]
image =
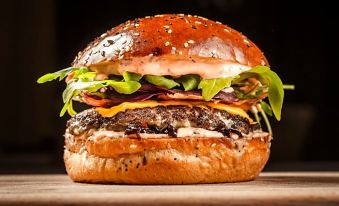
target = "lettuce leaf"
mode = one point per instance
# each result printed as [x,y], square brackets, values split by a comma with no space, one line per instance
[161,81]
[267,108]
[84,80]
[61,74]
[275,88]
[189,81]
[88,76]
[129,76]
[76,87]
[211,87]
[127,87]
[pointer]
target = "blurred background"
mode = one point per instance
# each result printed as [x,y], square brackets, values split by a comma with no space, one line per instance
[300,40]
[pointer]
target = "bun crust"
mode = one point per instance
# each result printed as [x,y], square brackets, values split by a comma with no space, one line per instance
[171,34]
[167,160]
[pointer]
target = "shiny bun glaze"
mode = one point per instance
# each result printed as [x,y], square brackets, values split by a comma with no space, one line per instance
[167,35]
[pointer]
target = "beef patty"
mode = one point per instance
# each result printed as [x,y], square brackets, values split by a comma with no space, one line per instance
[162,120]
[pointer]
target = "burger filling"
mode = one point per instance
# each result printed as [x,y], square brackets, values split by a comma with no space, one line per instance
[163,121]
[245,90]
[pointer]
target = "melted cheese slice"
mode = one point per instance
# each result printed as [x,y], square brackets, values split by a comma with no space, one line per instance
[110,112]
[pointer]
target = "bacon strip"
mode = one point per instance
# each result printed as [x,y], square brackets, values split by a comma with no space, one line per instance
[148,91]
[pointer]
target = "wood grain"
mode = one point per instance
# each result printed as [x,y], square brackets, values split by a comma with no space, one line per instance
[297,188]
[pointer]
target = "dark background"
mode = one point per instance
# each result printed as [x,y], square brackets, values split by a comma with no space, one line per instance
[300,40]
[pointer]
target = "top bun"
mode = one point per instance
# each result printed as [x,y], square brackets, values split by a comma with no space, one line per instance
[175,35]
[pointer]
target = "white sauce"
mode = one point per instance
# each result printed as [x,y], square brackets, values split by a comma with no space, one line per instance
[181,132]
[197,132]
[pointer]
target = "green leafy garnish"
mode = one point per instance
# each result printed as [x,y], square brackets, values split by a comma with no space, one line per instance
[59,74]
[275,88]
[76,87]
[83,80]
[127,87]
[289,86]
[161,81]
[88,76]
[129,76]
[266,107]
[267,122]
[189,81]
[211,87]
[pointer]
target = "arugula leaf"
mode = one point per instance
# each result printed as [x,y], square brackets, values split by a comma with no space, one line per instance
[59,74]
[289,86]
[70,109]
[189,81]
[80,71]
[275,89]
[266,107]
[211,87]
[88,76]
[161,81]
[275,94]
[75,88]
[259,69]
[267,122]
[129,76]
[127,87]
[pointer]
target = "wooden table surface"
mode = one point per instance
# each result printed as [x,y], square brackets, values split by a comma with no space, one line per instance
[278,188]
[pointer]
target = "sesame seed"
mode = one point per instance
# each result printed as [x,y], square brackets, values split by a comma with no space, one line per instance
[227,30]
[213,53]
[213,145]
[136,25]
[181,14]
[203,18]
[169,31]
[151,54]
[185,44]
[166,27]
[218,22]
[159,15]
[173,50]
[246,41]
[167,43]
[190,41]
[189,15]
[147,17]
[121,57]
[136,34]
[197,22]
[133,146]
[180,52]
[127,48]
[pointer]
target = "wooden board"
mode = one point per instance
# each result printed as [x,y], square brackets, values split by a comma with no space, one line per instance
[316,188]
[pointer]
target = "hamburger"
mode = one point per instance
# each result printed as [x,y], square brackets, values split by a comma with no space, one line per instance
[174,99]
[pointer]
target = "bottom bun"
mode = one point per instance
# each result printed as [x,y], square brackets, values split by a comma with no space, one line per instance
[180,161]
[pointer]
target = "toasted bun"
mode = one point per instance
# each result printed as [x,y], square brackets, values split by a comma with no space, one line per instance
[167,160]
[171,35]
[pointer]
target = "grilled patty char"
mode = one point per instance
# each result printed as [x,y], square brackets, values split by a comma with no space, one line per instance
[162,120]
